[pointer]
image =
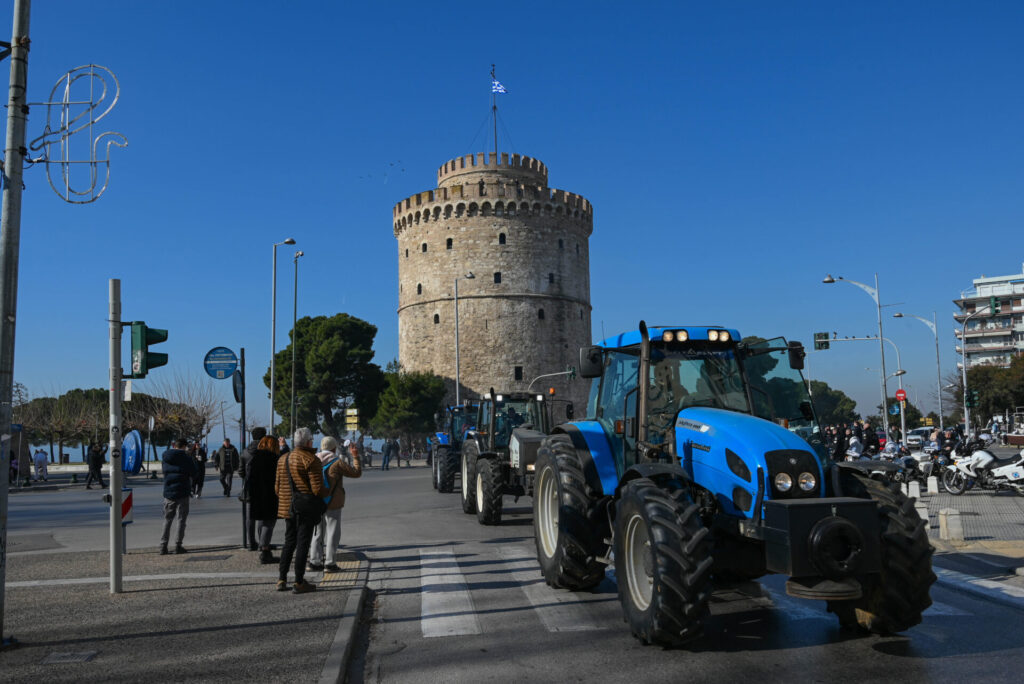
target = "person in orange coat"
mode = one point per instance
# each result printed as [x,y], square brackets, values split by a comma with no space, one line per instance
[300,471]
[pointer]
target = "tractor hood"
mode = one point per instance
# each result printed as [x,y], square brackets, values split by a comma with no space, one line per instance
[741,432]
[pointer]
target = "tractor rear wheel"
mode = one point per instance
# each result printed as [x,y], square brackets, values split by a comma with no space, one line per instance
[894,599]
[447,466]
[662,563]
[488,491]
[568,544]
[468,474]
[433,469]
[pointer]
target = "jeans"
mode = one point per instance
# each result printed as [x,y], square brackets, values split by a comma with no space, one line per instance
[40,469]
[265,531]
[225,481]
[172,508]
[298,532]
[387,459]
[95,472]
[328,528]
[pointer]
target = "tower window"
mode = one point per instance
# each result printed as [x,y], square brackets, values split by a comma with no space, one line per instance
[497,277]
[540,314]
[561,244]
[501,238]
[551,277]
[519,372]
[424,247]
[437,319]
[577,248]
[419,288]
[448,243]
[406,254]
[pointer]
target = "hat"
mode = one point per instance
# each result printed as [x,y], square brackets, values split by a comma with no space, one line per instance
[328,444]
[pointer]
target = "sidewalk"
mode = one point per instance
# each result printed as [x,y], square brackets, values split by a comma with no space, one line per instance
[210,615]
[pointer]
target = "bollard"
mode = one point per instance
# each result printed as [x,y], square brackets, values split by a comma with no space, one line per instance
[914,490]
[74,478]
[922,511]
[951,528]
[903,488]
[933,484]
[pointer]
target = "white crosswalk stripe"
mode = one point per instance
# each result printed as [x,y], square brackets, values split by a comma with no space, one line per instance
[559,610]
[446,607]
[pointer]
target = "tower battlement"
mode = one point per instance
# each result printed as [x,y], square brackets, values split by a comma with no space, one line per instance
[526,170]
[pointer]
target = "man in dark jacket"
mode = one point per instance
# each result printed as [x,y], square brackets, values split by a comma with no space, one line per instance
[96,452]
[244,469]
[179,469]
[227,463]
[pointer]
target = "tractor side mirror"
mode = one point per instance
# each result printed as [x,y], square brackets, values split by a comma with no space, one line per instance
[806,411]
[569,411]
[590,362]
[796,355]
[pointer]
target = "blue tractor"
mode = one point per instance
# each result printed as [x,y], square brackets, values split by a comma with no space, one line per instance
[446,445]
[701,462]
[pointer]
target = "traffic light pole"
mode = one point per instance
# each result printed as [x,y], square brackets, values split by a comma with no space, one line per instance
[963,368]
[116,529]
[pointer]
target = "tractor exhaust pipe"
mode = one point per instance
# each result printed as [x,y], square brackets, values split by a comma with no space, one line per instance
[643,384]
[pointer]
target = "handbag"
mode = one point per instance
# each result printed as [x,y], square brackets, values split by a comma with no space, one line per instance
[304,505]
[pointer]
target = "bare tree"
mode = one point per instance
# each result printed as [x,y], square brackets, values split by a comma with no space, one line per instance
[190,408]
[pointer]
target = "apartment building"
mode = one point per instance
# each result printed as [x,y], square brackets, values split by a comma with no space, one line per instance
[992,337]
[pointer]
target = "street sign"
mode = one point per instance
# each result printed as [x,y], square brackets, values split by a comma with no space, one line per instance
[238,386]
[133,451]
[220,363]
[894,410]
[352,412]
[901,395]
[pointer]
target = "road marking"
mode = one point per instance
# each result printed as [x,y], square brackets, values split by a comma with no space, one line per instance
[142,578]
[1002,592]
[446,607]
[558,610]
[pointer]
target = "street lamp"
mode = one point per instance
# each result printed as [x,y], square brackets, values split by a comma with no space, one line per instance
[468,276]
[963,364]
[873,293]
[295,340]
[273,326]
[938,369]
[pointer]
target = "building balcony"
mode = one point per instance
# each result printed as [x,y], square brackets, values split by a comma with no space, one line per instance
[986,332]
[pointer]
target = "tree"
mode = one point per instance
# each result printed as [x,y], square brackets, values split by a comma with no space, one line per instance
[408,404]
[833,407]
[333,371]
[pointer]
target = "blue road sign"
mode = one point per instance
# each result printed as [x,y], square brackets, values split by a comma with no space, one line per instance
[220,363]
[894,410]
[132,453]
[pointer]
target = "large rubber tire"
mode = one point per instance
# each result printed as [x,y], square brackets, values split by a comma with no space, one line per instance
[447,466]
[954,481]
[568,539]
[433,471]
[662,563]
[894,599]
[468,476]
[488,491]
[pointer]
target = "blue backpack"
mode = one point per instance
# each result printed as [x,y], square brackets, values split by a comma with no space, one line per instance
[327,466]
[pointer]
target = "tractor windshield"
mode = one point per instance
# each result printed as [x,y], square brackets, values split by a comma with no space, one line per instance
[510,414]
[461,422]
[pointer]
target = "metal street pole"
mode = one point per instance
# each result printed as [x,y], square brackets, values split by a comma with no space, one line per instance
[273,328]
[963,364]
[243,435]
[933,325]
[10,237]
[116,529]
[295,340]
[900,372]
[456,340]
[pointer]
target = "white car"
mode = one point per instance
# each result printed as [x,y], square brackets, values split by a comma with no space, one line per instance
[917,437]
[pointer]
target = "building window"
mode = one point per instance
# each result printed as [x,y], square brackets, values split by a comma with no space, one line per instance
[424,247]
[406,254]
[437,319]
[561,244]
[497,278]
[551,277]
[540,314]
[519,372]
[501,238]
[448,243]
[419,288]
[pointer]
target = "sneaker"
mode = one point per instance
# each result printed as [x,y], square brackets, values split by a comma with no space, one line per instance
[180,549]
[303,588]
[282,585]
[163,549]
[314,567]
[333,567]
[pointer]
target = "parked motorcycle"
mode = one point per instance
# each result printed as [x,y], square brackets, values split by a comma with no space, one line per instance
[987,471]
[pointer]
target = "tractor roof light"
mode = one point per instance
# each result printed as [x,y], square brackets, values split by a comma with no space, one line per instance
[540,397]
[723,336]
[499,398]
[667,336]
[713,335]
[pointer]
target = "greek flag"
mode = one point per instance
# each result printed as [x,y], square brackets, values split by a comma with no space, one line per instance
[496,87]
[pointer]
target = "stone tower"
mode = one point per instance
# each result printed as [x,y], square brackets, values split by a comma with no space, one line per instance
[526,311]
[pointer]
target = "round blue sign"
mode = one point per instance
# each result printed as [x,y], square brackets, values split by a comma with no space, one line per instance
[220,363]
[132,453]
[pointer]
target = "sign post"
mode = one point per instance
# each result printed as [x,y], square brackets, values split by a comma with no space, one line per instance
[116,477]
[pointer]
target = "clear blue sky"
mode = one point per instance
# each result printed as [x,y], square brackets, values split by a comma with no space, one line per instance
[735,152]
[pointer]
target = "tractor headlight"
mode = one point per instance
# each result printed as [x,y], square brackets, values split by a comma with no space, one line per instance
[723,336]
[682,335]
[806,481]
[713,335]
[667,336]
[783,482]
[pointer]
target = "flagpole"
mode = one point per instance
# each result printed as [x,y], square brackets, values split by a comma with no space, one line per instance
[494,112]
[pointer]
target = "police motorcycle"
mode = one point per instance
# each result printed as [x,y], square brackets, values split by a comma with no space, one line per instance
[986,470]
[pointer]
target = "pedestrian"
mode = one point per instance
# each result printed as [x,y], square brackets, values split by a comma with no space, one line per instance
[244,469]
[179,468]
[282,446]
[12,470]
[199,456]
[854,449]
[872,445]
[39,459]
[263,504]
[328,531]
[227,463]
[96,453]
[299,484]
[385,454]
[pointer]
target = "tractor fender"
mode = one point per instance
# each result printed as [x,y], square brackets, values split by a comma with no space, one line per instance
[442,439]
[656,472]
[595,454]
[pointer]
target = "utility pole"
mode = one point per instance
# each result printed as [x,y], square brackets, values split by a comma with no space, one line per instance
[10,237]
[116,529]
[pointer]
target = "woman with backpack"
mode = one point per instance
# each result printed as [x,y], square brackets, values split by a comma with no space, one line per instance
[328,532]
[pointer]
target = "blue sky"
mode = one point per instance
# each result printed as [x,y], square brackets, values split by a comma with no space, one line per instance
[735,153]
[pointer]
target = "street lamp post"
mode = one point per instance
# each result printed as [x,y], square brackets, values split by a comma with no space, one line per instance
[468,276]
[295,314]
[273,327]
[963,364]
[938,368]
[899,373]
[873,293]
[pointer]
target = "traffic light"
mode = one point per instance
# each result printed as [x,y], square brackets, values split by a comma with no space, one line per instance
[143,359]
[821,340]
[972,399]
[994,305]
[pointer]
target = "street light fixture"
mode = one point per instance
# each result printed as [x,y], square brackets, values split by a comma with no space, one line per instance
[938,368]
[468,276]
[295,310]
[273,326]
[873,293]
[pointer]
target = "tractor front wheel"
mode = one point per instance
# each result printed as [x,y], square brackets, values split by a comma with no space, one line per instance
[662,563]
[468,474]
[488,491]
[447,465]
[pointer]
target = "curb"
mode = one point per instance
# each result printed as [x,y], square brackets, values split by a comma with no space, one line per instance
[991,590]
[340,654]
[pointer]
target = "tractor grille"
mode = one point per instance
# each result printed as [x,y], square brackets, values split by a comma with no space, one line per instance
[793,462]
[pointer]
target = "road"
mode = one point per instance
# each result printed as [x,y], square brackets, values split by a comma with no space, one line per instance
[458,602]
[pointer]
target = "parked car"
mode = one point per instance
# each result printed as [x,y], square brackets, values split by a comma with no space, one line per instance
[917,437]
